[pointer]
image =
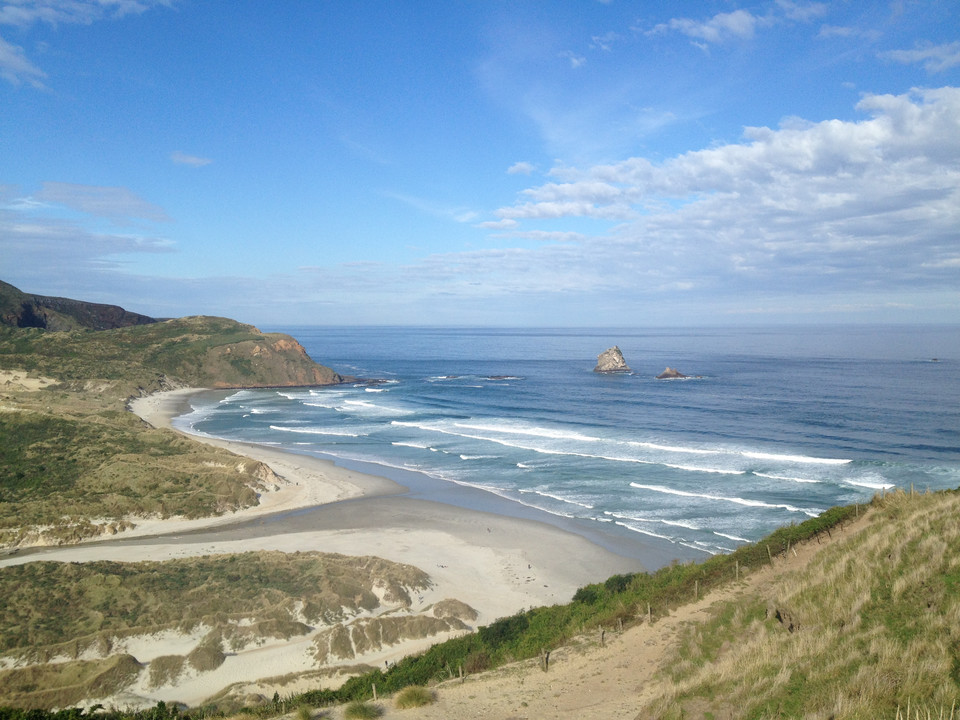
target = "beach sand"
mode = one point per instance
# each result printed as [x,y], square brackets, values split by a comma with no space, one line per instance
[498,565]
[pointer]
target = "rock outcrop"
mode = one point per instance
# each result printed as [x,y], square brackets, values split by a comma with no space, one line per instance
[671,374]
[611,361]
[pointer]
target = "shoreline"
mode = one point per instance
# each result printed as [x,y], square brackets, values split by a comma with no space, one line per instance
[498,563]
[315,482]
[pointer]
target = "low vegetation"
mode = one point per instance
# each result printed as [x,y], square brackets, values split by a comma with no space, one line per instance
[66,623]
[870,627]
[72,452]
[360,710]
[53,609]
[414,697]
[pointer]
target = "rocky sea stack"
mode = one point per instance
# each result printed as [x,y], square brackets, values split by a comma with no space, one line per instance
[611,361]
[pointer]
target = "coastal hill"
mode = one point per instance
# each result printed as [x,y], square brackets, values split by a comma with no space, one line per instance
[19,309]
[154,354]
[75,464]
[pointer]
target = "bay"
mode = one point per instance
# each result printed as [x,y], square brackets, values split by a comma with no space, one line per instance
[774,425]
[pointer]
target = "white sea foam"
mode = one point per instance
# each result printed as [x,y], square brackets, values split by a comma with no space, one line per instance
[533,431]
[559,498]
[316,431]
[672,448]
[738,500]
[784,477]
[730,537]
[407,443]
[681,523]
[793,458]
[693,468]
[872,484]
[643,531]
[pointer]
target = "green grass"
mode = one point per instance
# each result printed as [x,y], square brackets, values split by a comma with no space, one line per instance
[413,697]
[876,624]
[361,710]
[52,608]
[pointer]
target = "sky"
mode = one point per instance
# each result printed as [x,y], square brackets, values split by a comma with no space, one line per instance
[488,163]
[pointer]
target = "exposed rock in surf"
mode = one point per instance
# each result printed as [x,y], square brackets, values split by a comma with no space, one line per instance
[671,374]
[611,361]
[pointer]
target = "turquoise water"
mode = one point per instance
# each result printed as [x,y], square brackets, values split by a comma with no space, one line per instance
[777,425]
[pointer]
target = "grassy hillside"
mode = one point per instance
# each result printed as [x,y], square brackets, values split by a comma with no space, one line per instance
[70,626]
[870,626]
[71,452]
[196,351]
[19,309]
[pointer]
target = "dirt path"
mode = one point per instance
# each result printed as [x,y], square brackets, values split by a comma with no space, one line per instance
[590,681]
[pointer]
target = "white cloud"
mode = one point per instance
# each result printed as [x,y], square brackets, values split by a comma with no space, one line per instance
[575,60]
[935,58]
[115,203]
[802,12]
[605,42]
[807,206]
[16,68]
[521,168]
[497,224]
[719,28]
[182,158]
[23,13]
[14,65]
[739,24]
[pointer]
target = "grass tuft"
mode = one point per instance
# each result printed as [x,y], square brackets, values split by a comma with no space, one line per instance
[415,696]
[361,710]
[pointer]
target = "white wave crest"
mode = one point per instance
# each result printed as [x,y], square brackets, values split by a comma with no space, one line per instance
[784,477]
[316,431]
[720,498]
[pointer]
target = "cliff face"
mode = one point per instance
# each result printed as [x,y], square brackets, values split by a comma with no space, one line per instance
[275,360]
[222,353]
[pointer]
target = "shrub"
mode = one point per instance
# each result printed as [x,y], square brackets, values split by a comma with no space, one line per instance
[415,696]
[477,662]
[359,710]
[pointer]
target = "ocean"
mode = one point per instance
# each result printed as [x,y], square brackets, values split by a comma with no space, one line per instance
[772,426]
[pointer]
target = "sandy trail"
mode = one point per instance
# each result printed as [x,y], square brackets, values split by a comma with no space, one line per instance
[586,680]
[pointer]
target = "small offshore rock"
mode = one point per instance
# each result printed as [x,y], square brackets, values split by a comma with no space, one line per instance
[611,361]
[671,374]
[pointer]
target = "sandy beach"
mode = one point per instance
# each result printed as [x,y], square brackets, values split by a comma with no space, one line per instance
[496,564]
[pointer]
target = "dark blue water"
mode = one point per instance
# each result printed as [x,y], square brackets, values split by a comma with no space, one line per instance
[777,425]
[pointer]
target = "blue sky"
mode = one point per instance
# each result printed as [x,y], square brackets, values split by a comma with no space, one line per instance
[485,163]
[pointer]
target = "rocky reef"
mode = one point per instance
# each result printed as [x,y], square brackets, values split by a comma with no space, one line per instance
[611,361]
